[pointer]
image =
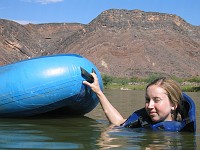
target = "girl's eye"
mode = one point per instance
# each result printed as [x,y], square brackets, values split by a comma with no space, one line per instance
[147,99]
[156,100]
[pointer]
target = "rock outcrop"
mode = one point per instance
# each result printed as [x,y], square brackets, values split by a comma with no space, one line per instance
[119,42]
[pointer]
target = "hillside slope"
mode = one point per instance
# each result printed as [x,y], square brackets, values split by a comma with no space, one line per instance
[119,42]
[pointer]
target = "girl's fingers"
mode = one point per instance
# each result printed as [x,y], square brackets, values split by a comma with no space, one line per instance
[86,83]
[95,83]
[94,76]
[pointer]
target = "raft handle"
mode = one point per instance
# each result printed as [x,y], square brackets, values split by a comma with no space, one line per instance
[87,76]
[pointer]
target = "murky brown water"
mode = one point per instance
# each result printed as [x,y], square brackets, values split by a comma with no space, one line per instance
[93,131]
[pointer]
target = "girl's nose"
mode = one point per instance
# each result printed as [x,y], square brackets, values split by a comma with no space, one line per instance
[150,104]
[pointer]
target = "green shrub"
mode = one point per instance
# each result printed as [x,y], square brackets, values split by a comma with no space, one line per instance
[116,82]
[107,79]
[194,79]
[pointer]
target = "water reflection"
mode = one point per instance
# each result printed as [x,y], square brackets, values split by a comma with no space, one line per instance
[85,133]
[106,141]
[122,138]
[62,133]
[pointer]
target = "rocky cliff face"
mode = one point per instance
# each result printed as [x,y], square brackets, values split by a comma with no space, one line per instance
[119,42]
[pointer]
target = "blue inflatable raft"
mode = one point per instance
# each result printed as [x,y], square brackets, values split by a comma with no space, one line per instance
[50,84]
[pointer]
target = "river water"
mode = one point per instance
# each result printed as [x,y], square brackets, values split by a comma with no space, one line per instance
[93,131]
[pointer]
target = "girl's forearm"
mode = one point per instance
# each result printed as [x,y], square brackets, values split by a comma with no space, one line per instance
[111,113]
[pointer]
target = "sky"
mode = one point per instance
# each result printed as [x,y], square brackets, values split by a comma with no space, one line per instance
[84,11]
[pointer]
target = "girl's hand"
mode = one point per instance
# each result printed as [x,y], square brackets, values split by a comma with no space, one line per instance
[95,85]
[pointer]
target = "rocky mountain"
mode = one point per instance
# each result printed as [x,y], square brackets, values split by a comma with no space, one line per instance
[123,43]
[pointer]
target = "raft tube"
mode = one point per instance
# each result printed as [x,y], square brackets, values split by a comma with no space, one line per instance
[49,84]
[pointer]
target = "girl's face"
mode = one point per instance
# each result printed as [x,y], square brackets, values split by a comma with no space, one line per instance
[157,104]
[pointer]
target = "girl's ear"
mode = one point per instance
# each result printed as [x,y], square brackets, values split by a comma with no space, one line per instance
[174,107]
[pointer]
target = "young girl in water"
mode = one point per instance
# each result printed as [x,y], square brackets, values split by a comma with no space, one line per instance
[164,103]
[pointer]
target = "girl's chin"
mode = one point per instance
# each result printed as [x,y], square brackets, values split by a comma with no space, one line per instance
[155,119]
